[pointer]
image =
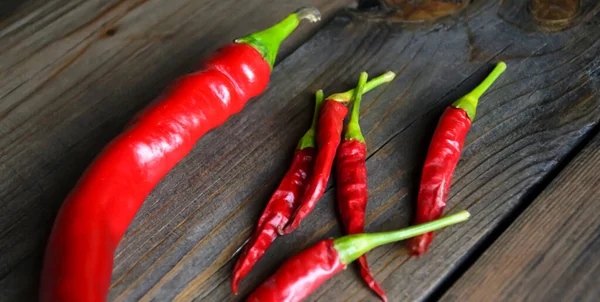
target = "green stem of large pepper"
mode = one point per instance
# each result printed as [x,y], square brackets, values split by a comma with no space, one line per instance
[267,41]
[351,247]
[468,103]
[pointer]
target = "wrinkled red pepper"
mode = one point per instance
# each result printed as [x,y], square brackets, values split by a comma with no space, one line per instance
[302,274]
[442,157]
[352,195]
[283,202]
[329,131]
[96,214]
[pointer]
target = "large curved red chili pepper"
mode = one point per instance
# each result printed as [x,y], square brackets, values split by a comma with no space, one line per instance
[329,131]
[305,272]
[283,202]
[352,195]
[97,212]
[442,157]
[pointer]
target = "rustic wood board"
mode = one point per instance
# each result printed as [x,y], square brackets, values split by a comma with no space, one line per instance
[73,73]
[552,251]
[533,117]
[181,244]
[537,112]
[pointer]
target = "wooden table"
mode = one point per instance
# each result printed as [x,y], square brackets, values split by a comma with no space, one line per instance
[72,73]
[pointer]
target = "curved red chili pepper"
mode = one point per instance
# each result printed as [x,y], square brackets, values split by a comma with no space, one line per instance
[328,139]
[351,190]
[305,272]
[282,204]
[329,133]
[97,212]
[442,157]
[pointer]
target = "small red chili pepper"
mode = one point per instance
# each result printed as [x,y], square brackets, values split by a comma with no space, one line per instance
[97,212]
[442,157]
[283,202]
[329,131]
[352,192]
[305,272]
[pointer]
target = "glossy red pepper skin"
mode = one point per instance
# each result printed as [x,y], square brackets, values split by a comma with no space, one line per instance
[331,122]
[300,275]
[97,212]
[442,157]
[303,273]
[276,215]
[352,197]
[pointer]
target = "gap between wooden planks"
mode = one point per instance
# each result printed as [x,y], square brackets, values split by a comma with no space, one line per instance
[551,252]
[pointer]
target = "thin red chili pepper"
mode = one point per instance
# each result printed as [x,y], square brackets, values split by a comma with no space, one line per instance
[96,214]
[352,192]
[302,274]
[329,131]
[283,202]
[442,157]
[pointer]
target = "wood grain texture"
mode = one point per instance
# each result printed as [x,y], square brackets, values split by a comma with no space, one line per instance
[73,73]
[536,113]
[552,251]
[181,245]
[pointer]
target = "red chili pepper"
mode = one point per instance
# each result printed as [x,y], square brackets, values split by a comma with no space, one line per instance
[352,192]
[96,214]
[305,272]
[329,131]
[283,202]
[442,157]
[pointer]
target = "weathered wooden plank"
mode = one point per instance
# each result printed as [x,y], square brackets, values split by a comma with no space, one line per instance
[550,253]
[490,181]
[181,243]
[73,73]
[531,119]
[537,112]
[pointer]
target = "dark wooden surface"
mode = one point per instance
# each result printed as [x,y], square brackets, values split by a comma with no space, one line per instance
[73,73]
[552,251]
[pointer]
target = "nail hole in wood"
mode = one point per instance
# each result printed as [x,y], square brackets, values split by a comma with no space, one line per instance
[110,32]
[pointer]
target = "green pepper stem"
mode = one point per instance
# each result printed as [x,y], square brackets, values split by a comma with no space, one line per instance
[267,42]
[345,97]
[469,102]
[309,139]
[353,127]
[351,247]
